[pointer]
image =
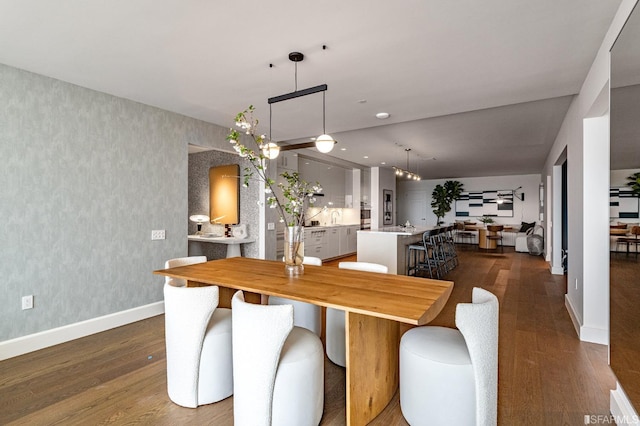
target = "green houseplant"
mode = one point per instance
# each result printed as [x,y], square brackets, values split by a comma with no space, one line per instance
[634,183]
[486,220]
[442,197]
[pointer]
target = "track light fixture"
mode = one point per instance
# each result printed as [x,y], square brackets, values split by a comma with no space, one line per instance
[406,173]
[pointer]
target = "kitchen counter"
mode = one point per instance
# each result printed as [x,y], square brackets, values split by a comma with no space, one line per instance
[336,225]
[399,230]
[388,246]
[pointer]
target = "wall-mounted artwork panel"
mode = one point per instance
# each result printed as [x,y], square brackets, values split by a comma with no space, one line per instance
[623,204]
[387,197]
[224,195]
[497,203]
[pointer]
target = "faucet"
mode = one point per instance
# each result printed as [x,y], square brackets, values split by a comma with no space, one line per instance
[333,218]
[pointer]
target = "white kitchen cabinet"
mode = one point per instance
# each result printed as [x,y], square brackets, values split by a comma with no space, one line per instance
[365,187]
[333,238]
[330,177]
[287,160]
[352,238]
[348,239]
[315,242]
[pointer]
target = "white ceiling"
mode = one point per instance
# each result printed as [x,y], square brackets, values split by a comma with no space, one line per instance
[479,85]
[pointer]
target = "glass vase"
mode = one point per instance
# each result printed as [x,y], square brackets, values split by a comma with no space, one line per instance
[293,250]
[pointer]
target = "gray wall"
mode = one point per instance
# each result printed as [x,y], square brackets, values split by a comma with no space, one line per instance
[84,178]
[199,165]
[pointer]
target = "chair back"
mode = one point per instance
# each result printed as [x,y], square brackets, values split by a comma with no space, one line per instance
[635,230]
[181,261]
[478,323]
[259,333]
[310,260]
[364,266]
[428,237]
[187,312]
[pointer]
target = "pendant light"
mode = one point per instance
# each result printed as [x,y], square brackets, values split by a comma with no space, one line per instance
[402,172]
[323,143]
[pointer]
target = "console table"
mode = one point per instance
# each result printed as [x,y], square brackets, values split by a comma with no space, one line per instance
[233,244]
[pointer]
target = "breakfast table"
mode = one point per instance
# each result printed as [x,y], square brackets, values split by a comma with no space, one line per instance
[378,308]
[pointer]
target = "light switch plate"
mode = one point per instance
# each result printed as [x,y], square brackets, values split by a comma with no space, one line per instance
[27,302]
[157,234]
[271,226]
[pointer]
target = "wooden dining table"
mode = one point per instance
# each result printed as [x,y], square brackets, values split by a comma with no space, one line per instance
[378,308]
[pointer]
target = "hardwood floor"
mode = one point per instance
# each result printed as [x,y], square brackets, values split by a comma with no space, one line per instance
[546,375]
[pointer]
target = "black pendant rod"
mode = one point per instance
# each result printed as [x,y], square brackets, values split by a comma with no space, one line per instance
[324,132]
[297,94]
[270,123]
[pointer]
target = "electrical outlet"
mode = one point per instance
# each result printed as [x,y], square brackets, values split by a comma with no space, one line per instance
[27,302]
[157,234]
[271,226]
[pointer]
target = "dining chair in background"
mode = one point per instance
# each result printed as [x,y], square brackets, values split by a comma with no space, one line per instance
[494,233]
[450,376]
[198,343]
[305,314]
[182,261]
[335,318]
[278,369]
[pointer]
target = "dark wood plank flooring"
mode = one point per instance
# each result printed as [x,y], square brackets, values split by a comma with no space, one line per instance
[546,375]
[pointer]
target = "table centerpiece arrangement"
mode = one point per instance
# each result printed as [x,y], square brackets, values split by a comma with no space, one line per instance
[297,194]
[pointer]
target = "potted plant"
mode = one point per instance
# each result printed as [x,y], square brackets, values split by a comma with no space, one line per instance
[442,197]
[634,183]
[297,194]
[486,220]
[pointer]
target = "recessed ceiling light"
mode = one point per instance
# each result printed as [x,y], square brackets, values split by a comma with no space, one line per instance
[362,101]
[366,156]
[382,115]
[384,162]
[343,149]
[313,139]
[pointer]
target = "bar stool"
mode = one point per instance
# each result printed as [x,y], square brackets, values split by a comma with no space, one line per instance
[425,255]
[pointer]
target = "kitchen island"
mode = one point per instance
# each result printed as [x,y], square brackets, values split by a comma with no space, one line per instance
[388,246]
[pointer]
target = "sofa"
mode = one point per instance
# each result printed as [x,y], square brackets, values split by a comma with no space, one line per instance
[468,233]
[619,230]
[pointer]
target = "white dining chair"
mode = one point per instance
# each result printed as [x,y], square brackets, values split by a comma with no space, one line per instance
[335,318]
[198,343]
[278,369]
[305,314]
[450,376]
[182,261]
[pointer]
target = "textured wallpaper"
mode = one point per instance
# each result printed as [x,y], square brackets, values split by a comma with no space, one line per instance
[84,178]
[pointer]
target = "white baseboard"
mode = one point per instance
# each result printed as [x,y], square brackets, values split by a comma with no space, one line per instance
[585,334]
[572,314]
[557,270]
[55,336]
[621,408]
[594,335]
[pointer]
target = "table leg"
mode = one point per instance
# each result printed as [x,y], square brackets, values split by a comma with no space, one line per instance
[372,351]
